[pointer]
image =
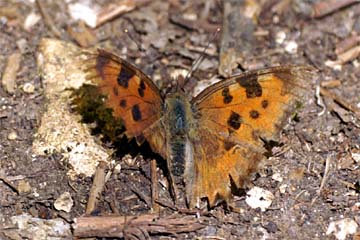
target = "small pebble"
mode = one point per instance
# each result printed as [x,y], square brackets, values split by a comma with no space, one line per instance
[64,202]
[117,169]
[23,187]
[190,16]
[282,188]
[31,20]
[28,88]
[356,63]
[276,19]
[356,156]
[277,177]
[259,198]
[271,227]
[22,44]
[12,135]
[280,37]
[291,47]
[342,228]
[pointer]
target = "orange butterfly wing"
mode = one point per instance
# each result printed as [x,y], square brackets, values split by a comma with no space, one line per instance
[233,116]
[131,95]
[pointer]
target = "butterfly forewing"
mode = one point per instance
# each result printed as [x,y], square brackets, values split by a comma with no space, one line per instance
[131,95]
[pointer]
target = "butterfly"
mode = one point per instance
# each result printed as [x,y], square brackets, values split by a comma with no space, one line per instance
[212,141]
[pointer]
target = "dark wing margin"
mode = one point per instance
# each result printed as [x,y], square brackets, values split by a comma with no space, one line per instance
[248,79]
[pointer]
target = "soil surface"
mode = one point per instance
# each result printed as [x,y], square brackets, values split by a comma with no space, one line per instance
[313,173]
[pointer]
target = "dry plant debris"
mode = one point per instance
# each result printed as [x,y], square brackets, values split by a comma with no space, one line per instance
[45,150]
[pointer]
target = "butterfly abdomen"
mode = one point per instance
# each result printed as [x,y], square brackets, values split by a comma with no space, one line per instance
[178,114]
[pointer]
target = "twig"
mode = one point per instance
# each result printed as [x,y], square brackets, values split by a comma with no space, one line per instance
[82,35]
[9,184]
[323,8]
[141,195]
[113,10]
[340,101]
[346,44]
[348,184]
[320,101]
[166,204]
[47,19]
[124,226]
[196,212]
[326,173]
[154,186]
[349,55]
[330,84]
[344,57]
[177,19]
[97,187]
[113,206]
[72,186]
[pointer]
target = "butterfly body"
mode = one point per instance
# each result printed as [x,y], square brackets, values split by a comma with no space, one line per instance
[216,139]
[177,121]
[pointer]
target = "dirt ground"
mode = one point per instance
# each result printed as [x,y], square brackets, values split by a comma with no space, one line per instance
[313,174]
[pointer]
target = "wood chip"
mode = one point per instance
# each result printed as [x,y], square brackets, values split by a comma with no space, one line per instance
[97,187]
[330,84]
[82,35]
[113,10]
[10,72]
[323,8]
[237,36]
[347,43]
[349,55]
[154,186]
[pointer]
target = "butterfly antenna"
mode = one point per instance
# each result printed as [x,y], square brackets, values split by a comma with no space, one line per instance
[199,60]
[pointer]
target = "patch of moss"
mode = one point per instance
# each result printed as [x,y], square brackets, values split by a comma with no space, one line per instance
[89,103]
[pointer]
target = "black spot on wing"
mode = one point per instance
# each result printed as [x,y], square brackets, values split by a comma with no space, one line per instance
[123,103]
[234,121]
[264,103]
[226,94]
[142,85]
[251,85]
[124,76]
[228,145]
[141,92]
[136,113]
[254,114]
[141,88]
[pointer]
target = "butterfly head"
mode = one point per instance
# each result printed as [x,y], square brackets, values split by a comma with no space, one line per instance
[177,86]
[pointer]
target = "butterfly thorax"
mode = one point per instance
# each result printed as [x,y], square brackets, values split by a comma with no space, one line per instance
[178,121]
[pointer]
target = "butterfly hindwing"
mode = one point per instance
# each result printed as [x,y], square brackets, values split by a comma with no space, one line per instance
[234,117]
[131,95]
